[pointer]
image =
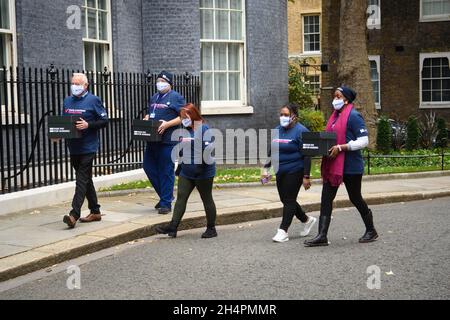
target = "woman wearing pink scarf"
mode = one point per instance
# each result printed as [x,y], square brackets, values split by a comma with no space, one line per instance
[344,165]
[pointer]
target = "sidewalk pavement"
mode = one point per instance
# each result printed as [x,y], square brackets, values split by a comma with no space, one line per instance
[30,241]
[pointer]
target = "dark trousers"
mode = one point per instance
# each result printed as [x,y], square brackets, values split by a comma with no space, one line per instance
[84,184]
[160,170]
[353,186]
[185,188]
[288,186]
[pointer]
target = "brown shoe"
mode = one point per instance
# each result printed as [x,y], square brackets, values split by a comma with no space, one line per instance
[92,218]
[70,221]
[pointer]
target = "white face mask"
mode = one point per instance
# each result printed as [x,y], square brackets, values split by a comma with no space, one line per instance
[338,104]
[77,90]
[186,122]
[162,86]
[285,121]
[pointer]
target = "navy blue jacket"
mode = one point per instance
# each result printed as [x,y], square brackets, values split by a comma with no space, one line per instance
[197,166]
[287,151]
[356,128]
[166,107]
[91,109]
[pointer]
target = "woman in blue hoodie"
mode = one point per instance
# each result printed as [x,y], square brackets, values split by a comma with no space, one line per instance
[292,170]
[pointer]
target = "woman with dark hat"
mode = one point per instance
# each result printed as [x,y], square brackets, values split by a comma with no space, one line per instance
[164,107]
[345,164]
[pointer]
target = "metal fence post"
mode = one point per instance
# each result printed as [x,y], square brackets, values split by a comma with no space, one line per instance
[368,162]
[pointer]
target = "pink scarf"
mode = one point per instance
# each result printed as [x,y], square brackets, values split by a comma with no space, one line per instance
[333,169]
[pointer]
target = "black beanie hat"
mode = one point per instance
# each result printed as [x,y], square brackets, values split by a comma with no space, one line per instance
[166,76]
[348,93]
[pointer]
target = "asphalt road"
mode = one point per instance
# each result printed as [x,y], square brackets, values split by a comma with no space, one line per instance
[413,255]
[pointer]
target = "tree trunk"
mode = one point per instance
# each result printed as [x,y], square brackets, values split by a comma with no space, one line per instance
[354,67]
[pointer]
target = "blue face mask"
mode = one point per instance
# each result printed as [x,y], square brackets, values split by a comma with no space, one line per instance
[77,90]
[285,121]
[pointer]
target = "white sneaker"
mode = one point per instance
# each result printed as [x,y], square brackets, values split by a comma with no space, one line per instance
[281,236]
[308,226]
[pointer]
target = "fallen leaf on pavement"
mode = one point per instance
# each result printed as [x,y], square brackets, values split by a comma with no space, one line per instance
[390,273]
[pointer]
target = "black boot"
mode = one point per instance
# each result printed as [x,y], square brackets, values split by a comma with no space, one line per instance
[169,229]
[210,233]
[321,240]
[371,234]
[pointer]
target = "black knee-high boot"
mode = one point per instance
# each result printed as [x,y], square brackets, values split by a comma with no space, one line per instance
[371,234]
[321,239]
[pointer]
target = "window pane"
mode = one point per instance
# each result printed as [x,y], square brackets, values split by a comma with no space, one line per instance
[426,72]
[103,25]
[102,4]
[436,72]
[220,86]
[207,26]
[233,57]
[207,62]
[222,25]
[236,26]
[426,96]
[446,84]
[92,24]
[436,96]
[3,51]
[426,85]
[236,4]
[234,86]
[89,56]
[427,62]
[222,4]
[307,43]
[436,85]
[206,3]
[99,58]
[446,95]
[445,68]
[220,57]
[207,87]
[4,14]
[83,23]
[91,3]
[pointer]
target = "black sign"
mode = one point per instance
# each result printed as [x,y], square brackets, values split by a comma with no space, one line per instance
[143,130]
[63,127]
[318,143]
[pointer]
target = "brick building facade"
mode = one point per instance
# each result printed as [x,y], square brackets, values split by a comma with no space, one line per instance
[238,46]
[409,50]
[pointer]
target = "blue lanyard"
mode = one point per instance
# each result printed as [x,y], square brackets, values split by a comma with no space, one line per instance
[158,100]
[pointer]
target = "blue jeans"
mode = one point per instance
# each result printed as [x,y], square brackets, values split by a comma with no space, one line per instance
[160,170]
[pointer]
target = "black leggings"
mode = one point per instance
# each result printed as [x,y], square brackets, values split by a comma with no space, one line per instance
[353,186]
[288,186]
[185,188]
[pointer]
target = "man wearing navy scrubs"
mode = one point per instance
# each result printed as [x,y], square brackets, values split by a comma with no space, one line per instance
[165,107]
[92,118]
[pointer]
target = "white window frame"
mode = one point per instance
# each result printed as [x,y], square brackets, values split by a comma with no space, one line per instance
[377,61]
[11,61]
[429,105]
[320,34]
[432,18]
[224,107]
[96,41]
[374,23]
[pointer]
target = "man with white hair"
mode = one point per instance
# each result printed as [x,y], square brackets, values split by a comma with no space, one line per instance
[92,118]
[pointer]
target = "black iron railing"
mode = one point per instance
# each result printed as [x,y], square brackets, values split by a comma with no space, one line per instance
[27,96]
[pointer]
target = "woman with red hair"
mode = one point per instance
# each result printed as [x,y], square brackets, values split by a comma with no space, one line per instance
[194,171]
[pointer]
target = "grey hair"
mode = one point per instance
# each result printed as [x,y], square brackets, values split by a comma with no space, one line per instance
[82,76]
